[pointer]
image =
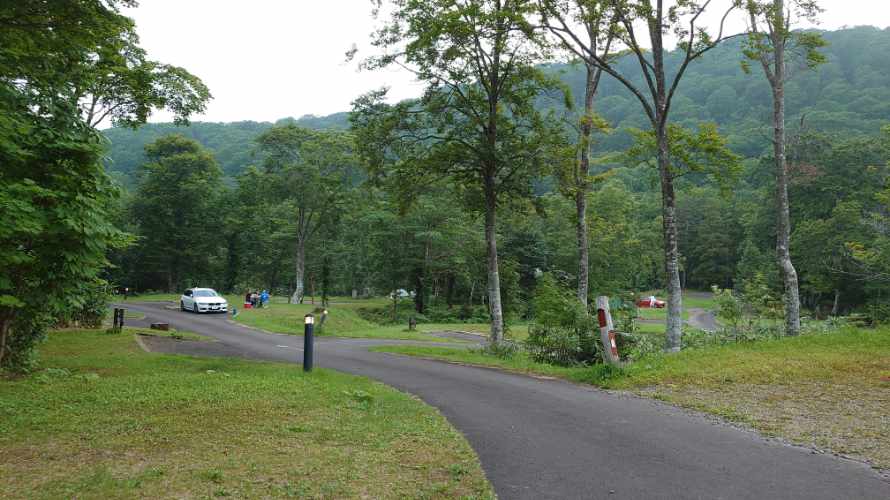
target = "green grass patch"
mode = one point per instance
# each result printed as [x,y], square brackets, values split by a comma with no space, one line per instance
[650,327]
[341,322]
[103,419]
[516,332]
[825,357]
[659,314]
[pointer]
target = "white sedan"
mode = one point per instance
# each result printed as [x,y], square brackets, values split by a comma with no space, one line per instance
[202,300]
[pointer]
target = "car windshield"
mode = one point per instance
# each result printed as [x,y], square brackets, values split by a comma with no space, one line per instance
[205,293]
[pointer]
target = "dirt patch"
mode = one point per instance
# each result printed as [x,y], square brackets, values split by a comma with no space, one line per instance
[845,419]
[170,345]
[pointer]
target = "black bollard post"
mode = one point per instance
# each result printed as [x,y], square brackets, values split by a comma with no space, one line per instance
[308,342]
[118,320]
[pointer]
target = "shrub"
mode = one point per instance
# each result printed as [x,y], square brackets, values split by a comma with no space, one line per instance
[634,346]
[506,349]
[94,307]
[561,332]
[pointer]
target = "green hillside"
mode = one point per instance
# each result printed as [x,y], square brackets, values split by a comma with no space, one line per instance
[850,94]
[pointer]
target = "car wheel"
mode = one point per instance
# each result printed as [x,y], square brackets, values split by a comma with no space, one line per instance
[195,308]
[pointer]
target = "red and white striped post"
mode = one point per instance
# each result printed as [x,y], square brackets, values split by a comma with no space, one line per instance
[607,331]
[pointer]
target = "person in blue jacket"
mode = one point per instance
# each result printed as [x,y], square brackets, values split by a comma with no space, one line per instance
[264,298]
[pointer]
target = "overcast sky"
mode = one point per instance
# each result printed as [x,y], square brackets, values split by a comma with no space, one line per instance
[269,59]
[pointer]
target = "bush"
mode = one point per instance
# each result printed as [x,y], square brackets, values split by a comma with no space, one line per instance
[506,349]
[561,332]
[94,307]
[86,309]
[753,315]
[434,314]
[634,346]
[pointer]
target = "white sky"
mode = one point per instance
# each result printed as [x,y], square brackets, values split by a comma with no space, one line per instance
[269,59]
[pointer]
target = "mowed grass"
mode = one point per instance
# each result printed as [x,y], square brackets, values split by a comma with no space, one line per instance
[342,321]
[830,391]
[103,419]
[516,332]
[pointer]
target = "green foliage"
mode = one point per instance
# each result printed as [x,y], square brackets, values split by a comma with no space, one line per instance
[501,350]
[177,212]
[561,332]
[847,94]
[752,315]
[64,67]
[94,306]
[702,152]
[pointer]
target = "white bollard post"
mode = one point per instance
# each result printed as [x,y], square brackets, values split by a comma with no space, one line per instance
[607,331]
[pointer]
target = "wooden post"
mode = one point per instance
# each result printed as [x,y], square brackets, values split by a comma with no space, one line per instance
[607,331]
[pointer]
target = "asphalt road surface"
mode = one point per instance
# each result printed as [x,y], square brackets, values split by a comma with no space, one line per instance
[541,438]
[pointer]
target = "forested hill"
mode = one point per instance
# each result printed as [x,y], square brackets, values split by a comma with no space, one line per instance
[850,93]
[231,143]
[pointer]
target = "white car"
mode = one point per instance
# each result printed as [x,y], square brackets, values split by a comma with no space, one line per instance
[202,300]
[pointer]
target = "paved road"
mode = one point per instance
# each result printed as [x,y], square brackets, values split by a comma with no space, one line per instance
[552,439]
[702,319]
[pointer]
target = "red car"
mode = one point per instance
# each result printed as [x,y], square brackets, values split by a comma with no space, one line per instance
[650,302]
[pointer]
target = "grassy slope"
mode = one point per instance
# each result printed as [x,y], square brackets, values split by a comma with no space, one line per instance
[831,391]
[122,423]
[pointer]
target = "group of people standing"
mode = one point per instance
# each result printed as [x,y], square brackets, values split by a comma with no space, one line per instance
[255,299]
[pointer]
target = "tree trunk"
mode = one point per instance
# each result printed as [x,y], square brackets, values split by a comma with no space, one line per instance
[325,280]
[312,289]
[671,250]
[419,305]
[5,326]
[449,291]
[299,272]
[837,300]
[494,280]
[583,187]
[783,218]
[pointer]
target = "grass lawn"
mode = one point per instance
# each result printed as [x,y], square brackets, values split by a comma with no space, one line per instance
[659,314]
[831,391]
[342,321]
[517,332]
[103,419]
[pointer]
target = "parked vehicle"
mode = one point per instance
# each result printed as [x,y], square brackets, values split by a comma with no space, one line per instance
[200,300]
[651,302]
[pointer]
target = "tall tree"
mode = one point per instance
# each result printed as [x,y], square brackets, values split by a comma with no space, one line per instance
[55,198]
[177,211]
[769,36]
[598,35]
[476,122]
[641,21]
[309,173]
